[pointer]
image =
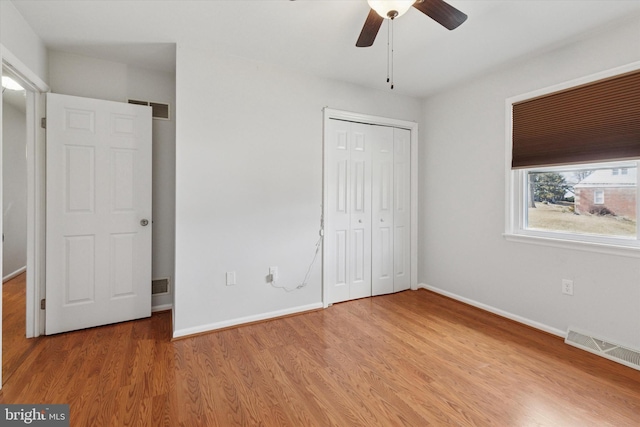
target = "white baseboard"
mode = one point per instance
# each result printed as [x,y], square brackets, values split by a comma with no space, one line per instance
[242,320]
[490,309]
[14,274]
[161,307]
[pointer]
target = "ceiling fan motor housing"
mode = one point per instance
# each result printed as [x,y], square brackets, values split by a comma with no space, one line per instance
[438,10]
[390,9]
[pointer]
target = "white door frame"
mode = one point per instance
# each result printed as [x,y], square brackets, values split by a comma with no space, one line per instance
[330,113]
[36,180]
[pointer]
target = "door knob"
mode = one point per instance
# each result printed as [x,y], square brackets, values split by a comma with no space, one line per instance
[381,220]
[144,222]
[360,221]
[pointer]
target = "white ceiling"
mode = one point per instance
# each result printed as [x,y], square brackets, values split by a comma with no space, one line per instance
[318,36]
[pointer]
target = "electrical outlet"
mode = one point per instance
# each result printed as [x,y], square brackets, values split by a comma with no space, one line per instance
[567,287]
[231,278]
[273,274]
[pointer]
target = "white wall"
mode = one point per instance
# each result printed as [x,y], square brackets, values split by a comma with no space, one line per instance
[79,75]
[249,183]
[19,38]
[14,196]
[462,205]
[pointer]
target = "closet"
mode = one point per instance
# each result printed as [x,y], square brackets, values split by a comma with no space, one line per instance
[368,215]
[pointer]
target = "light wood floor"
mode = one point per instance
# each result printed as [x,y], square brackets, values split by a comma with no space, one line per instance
[413,358]
[15,346]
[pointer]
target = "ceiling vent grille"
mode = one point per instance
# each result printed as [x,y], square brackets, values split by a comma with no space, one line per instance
[160,286]
[606,349]
[159,110]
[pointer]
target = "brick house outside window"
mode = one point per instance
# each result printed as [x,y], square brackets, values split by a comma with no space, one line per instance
[608,191]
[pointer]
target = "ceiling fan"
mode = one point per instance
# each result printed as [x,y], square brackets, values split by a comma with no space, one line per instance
[438,10]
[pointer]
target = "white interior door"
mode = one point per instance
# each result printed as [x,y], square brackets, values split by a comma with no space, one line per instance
[98,238]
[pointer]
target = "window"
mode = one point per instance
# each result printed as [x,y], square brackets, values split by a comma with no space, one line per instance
[585,200]
[598,197]
[572,176]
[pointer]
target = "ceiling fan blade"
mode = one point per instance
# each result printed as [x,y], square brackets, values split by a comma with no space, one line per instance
[370,29]
[441,12]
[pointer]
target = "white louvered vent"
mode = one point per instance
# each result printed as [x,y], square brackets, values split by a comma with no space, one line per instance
[606,349]
[159,110]
[160,286]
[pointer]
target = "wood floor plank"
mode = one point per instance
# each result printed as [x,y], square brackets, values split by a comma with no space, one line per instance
[408,359]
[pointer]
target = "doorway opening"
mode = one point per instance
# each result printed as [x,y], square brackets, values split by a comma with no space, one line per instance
[14,223]
[33,148]
[14,178]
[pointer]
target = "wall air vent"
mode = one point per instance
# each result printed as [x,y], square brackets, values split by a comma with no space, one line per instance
[160,286]
[603,348]
[159,110]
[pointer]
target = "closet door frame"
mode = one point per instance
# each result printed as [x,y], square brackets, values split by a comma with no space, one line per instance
[330,113]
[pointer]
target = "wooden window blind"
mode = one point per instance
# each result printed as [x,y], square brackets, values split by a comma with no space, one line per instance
[599,121]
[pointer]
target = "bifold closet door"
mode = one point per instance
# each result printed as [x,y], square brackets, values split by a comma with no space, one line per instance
[367,233]
[348,227]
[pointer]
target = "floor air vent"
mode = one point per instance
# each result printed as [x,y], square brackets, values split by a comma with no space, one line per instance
[160,286]
[615,352]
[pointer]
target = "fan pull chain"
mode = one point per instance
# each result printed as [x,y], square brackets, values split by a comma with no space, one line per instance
[388,48]
[391,24]
[390,52]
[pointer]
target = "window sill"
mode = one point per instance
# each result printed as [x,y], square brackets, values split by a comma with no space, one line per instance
[589,246]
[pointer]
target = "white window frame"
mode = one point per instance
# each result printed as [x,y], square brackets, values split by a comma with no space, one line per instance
[598,197]
[515,188]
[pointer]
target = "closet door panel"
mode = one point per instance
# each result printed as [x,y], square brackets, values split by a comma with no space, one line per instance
[348,219]
[360,219]
[402,209]
[382,242]
[337,233]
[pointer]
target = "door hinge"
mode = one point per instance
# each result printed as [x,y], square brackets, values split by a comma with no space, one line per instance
[43,123]
[43,304]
